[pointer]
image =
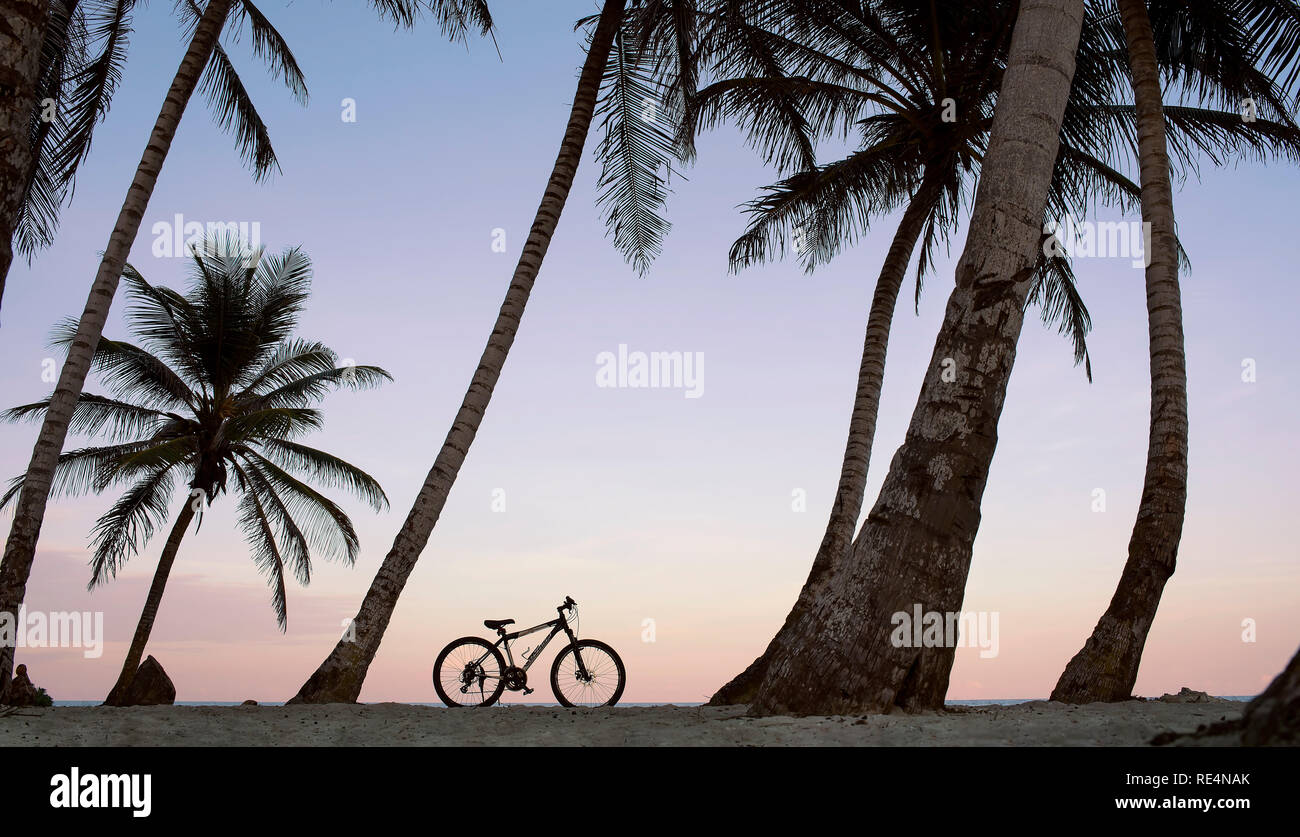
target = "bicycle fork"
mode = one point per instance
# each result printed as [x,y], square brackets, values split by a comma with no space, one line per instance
[583,674]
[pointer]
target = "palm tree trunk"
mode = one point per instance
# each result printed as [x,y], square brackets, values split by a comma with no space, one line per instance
[20,549]
[340,676]
[915,547]
[1273,717]
[838,538]
[117,696]
[1106,667]
[22,34]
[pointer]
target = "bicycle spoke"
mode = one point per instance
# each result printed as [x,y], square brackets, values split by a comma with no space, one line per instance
[468,673]
[601,680]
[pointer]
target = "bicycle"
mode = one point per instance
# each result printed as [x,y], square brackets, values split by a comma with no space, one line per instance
[586,673]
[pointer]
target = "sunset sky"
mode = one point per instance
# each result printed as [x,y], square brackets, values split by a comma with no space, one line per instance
[666,517]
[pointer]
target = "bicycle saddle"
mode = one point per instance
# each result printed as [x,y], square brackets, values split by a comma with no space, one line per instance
[497,624]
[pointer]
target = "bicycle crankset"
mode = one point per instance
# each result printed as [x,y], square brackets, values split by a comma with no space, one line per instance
[515,679]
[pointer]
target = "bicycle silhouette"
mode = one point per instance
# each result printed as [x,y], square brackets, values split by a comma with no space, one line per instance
[471,671]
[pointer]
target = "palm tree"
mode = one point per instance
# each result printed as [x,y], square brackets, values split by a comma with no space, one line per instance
[916,544]
[216,392]
[907,150]
[20,548]
[1106,668]
[1273,717]
[1222,43]
[650,52]
[81,62]
[339,677]
[234,110]
[909,157]
[22,34]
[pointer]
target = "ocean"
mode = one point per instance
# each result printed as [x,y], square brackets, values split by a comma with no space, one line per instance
[997,702]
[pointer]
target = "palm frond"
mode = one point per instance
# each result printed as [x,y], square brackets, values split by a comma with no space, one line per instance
[256,526]
[132,373]
[401,12]
[327,527]
[242,308]
[273,423]
[234,111]
[326,470]
[270,46]
[310,389]
[1275,27]
[293,546]
[292,359]
[459,18]
[81,471]
[81,89]
[125,528]
[95,415]
[819,212]
[163,319]
[1055,292]
[635,152]
[172,447]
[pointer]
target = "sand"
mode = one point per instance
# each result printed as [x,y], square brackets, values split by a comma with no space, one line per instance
[1038,723]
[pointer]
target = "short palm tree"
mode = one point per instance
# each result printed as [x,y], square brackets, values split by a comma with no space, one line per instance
[215,397]
[205,66]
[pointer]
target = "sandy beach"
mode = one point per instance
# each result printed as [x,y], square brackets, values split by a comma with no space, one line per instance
[1038,723]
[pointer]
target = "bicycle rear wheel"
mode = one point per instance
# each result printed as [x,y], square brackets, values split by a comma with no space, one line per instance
[599,681]
[468,673]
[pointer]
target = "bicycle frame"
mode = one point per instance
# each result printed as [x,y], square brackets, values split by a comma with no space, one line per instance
[556,625]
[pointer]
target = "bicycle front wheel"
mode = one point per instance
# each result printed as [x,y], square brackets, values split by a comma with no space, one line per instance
[468,673]
[588,673]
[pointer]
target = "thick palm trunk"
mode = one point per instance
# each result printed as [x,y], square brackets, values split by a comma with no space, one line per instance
[915,547]
[1107,666]
[117,696]
[20,549]
[838,537]
[340,676]
[22,34]
[1273,717]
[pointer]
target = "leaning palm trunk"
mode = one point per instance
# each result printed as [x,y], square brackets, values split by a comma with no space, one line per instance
[117,697]
[20,549]
[838,538]
[1106,668]
[843,655]
[22,33]
[1273,717]
[340,676]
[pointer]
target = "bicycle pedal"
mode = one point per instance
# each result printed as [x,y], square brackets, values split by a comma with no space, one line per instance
[527,691]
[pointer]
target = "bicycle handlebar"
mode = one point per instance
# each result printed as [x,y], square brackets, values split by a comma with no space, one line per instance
[568,603]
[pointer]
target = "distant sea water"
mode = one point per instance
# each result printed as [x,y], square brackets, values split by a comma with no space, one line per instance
[997,702]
